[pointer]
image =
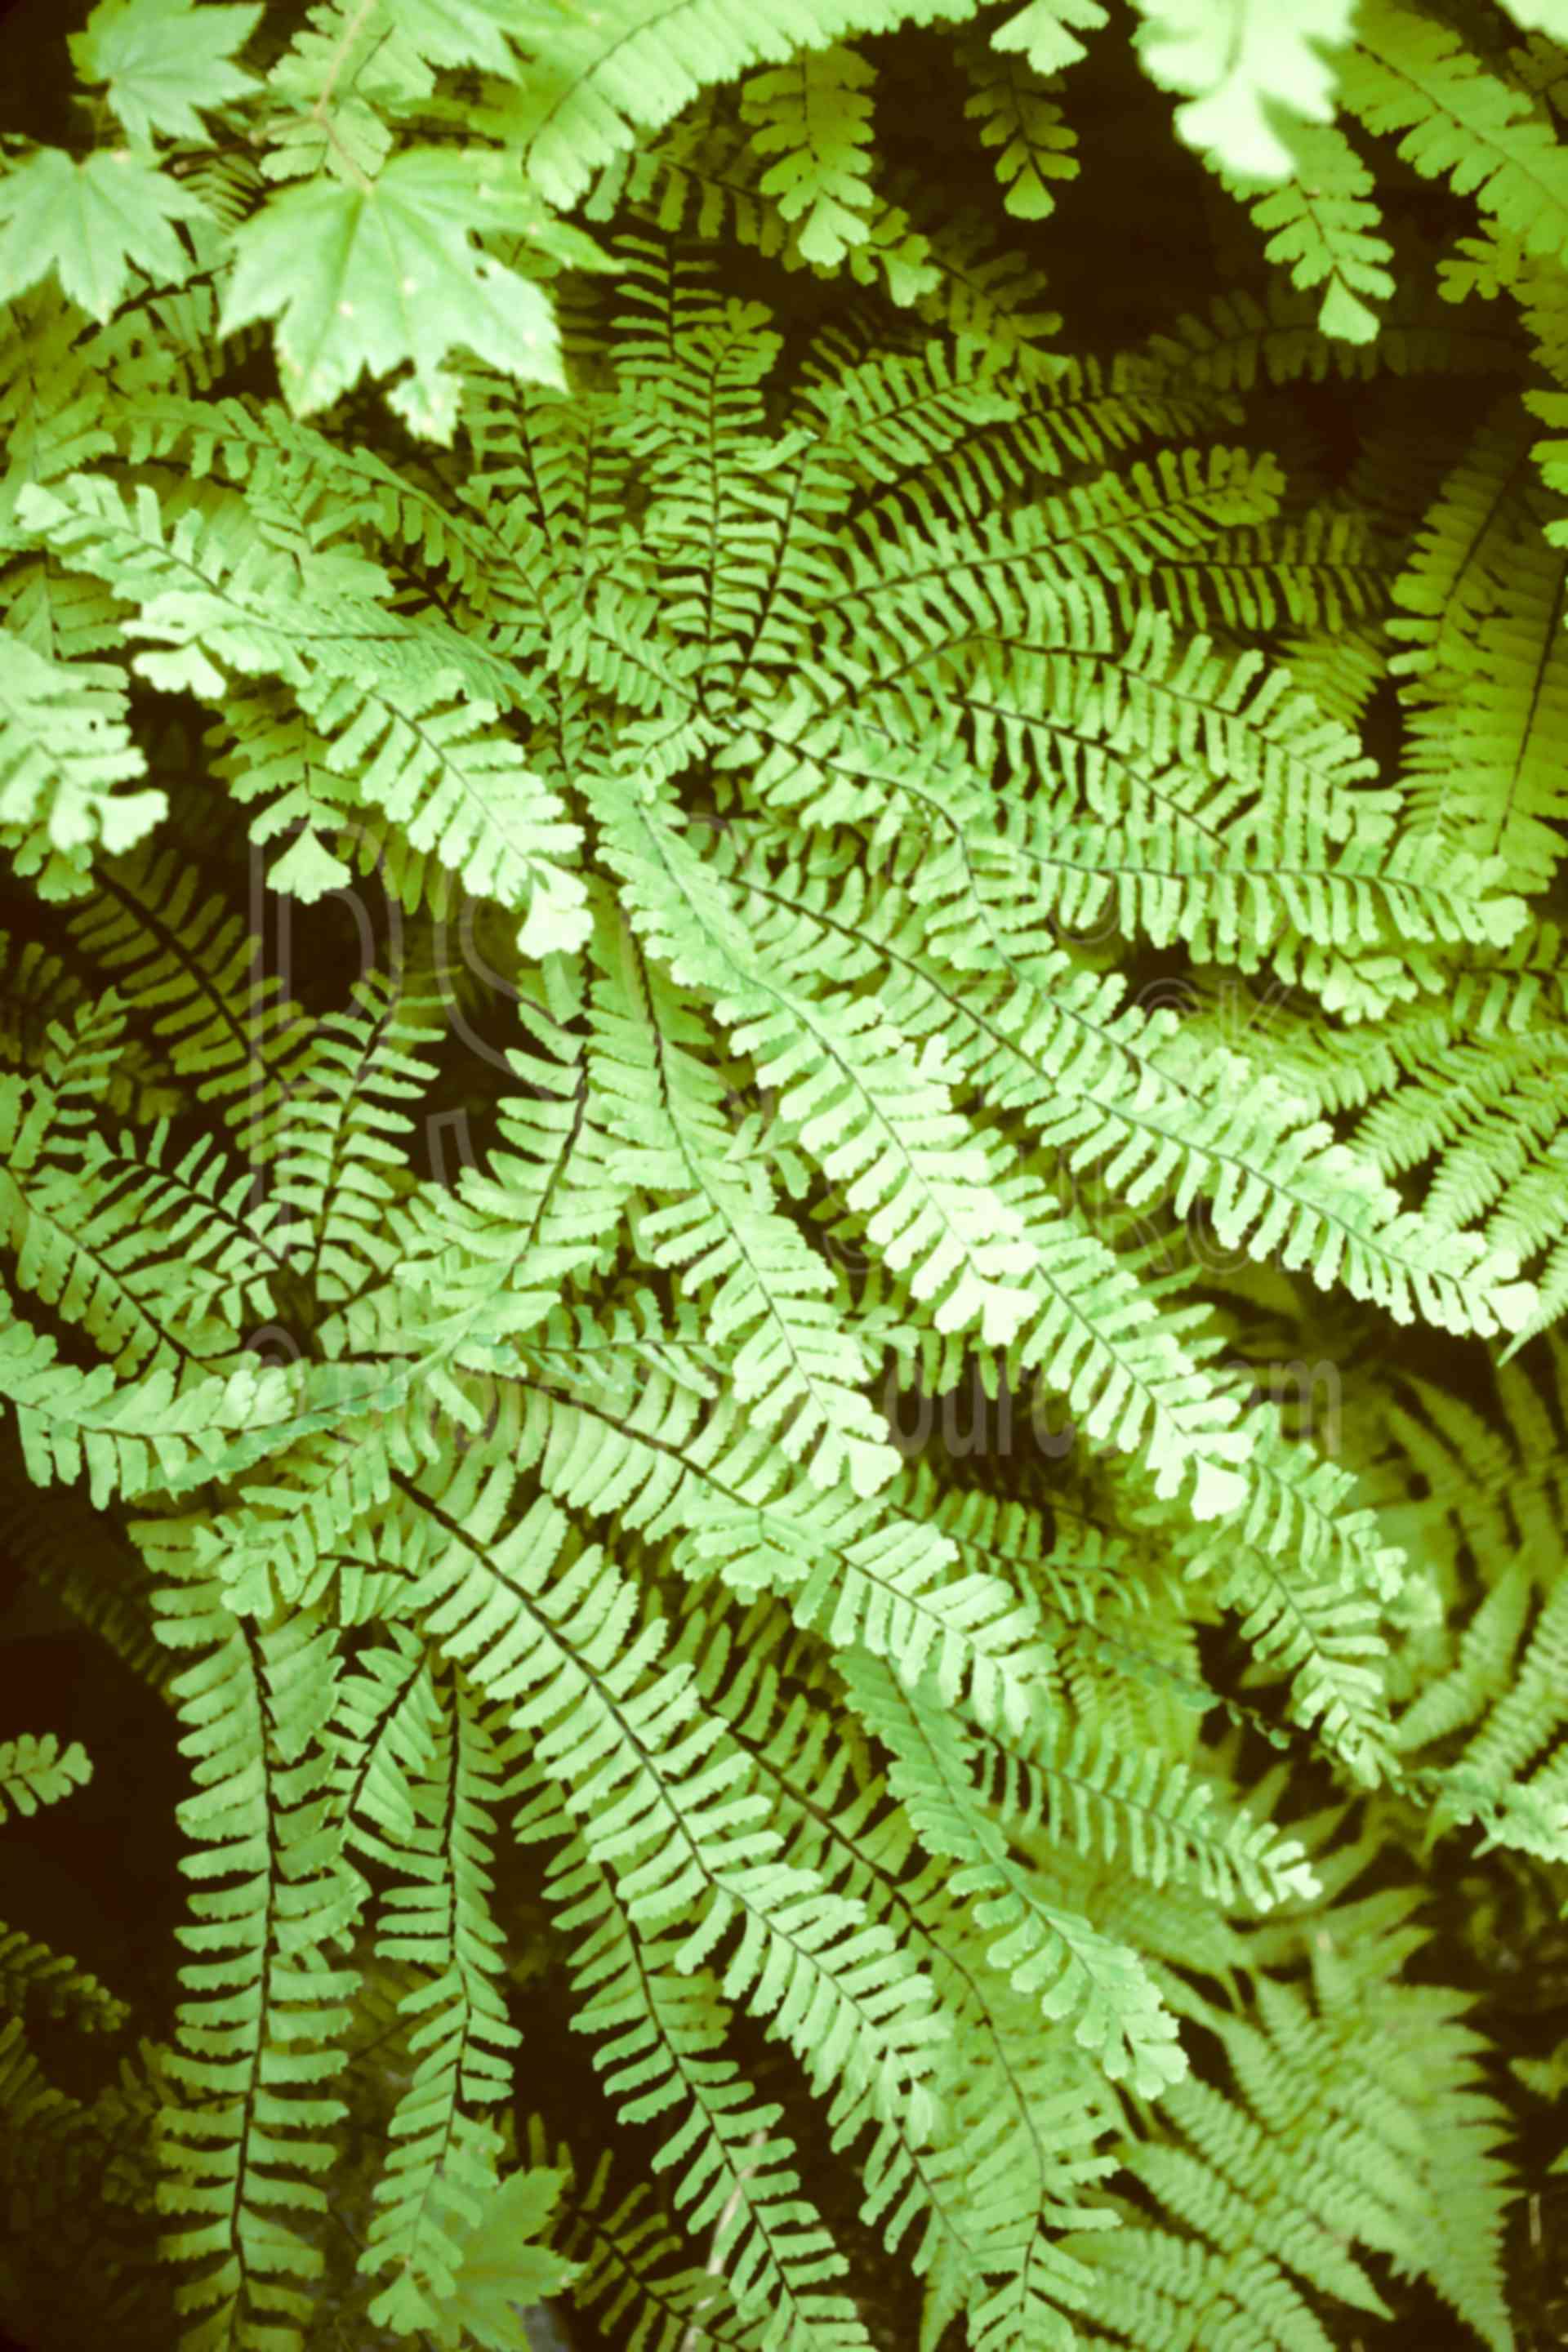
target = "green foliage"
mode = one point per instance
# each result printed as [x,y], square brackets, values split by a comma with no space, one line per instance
[782,1159]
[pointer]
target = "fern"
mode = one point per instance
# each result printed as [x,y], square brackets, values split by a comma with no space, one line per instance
[840,1365]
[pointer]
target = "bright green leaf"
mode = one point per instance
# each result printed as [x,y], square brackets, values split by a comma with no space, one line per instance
[92,223]
[1240,63]
[166,63]
[502,2266]
[362,279]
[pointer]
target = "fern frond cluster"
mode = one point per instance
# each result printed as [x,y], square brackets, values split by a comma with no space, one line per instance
[783,1172]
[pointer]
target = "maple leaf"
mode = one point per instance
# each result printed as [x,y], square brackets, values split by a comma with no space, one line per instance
[369,278]
[501,2268]
[92,222]
[165,63]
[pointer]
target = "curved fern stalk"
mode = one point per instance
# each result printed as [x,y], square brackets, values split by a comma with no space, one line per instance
[291,463]
[329,1164]
[389,1723]
[1127,729]
[182,966]
[550,477]
[882,414]
[1312,1577]
[1067,1784]
[1251,906]
[592,91]
[906,1157]
[201,1215]
[1076,1566]
[377,688]
[1412,75]
[771,1317]
[670,1808]
[980,2200]
[1023,2154]
[669,1464]
[1102,1986]
[633,2266]
[355,1428]
[538,1214]
[699,437]
[1101,1344]
[1499,794]
[699,176]
[437,2177]
[452,782]
[957,430]
[264,1998]
[1182,722]
[949,581]
[1043,1039]
[736,2169]
[1342,669]
[192,562]
[1484,1117]
[1085,1265]
[1463,549]
[741,518]
[116,1259]
[145,1435]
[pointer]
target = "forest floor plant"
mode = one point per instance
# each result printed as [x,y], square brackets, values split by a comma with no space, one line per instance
[784,1175]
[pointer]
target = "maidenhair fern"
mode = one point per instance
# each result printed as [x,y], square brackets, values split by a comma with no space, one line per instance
[782,1168]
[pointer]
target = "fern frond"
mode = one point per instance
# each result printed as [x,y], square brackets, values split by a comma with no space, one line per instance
[1412,75]
[1103,1987]
[1017,112]
[181,962]
[264,1998]
[769,1313]
[36,1770]
[64,749]
[813,115]
[734,2168]
[1322,226]
[439,1919]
